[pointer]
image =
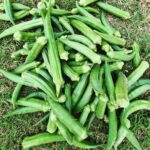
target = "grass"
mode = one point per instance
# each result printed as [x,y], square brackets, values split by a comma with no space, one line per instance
[12,130]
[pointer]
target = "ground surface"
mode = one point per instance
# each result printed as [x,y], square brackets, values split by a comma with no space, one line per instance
[14,129]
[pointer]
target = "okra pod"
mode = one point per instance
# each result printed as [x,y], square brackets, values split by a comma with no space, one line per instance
[37,94]
[19,53]
[57,23]
[75,63]
[91,119]
[28,45]
[79,57]
[121,90]
[68,97]
[65,22]
[79,89]
[60,12]
[93,105]
[88,8]
[114,10]
[105,46]
[137,73]
[86,2]
[68,71]
[87,31]
[95,58]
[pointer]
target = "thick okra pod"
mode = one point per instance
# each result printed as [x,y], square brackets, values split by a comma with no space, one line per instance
[121,90]
[79,89]
[95,58]
[137,73]
[68,97]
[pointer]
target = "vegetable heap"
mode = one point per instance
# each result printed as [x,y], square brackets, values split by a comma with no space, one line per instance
[74,60]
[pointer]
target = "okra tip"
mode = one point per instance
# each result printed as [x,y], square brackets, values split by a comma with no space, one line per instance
[42,40]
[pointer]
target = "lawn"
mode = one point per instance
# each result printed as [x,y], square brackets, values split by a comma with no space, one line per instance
[13,130]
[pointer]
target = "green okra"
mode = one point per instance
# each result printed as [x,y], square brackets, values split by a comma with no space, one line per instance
[28,45]
[79,89]
[114,10]
[91,119]
[105,46]
[51,126]
[84,115]
[68,71]
[82,39]
[18,53]
[37,94]
[88,8]
[26,67]
[111,38]
[68,97]
[60,12]
[95,58]
[79,57]
[85,98]
[138,91]
[40,139]
[87,31]
[93,104]
[65,22]
[137,58]
[121,90]
[34,103]
[8,10]
[137,73]
[105,58]
[86,2]
[57,23]
[63,54]
[117,48]
[120,55]
[101,106]
[21,110]
[22,27]
[36,49]
[75,63]
[26,36]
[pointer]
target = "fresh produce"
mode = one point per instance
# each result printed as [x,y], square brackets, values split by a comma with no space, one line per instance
[74,61]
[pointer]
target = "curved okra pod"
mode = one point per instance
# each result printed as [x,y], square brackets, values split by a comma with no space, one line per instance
[114,10]
[65,22]
[121,90]
[86,2]
[82,39]
[8,10]
[85,99]
[87,31]
[37,94]
[137,73]
[66,118]
[95,58]
[68,97]
[57,23]
[40,139]
[79,89]
[68,71]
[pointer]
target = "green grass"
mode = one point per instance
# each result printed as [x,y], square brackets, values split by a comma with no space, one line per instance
[12,130]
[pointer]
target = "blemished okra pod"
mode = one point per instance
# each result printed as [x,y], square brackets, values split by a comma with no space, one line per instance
[112,39]
[137,73]
[26,36]
[53,52]
[57,23]
[79,89]
[87,31]
[65,22]
[40,139]
[84,115]
[8,10]
[88,8]
[133,107]
[114,10]
[63,54]
[112,129]
[86,2]
[65,132]
[121,90]
[95,58]
[20,111]
[138,91]
[37,94]
[137,58]
[51,126]
[68,71]
[19,53]
[68,97]
[90,22]
[122,56]
[66,118]
[85,98]
[26,67]
[22,27]
[36,49]
[34,103]
[82,39]
[101,106]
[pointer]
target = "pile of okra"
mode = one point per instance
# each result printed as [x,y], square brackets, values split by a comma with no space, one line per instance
[74,60]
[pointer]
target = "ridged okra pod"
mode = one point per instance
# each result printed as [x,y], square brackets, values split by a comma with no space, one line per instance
[68,97]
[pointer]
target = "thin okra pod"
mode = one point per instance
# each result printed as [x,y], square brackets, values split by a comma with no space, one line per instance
[8,10]
[137,73]
[57,23]
[75,63]
[114,10]
[117,48]
[79,89]
[19,53]
[21,14]
[88,8]
[37,94]
[68,97]
[138,91]
[90,121]
[86,2]
[93,104]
